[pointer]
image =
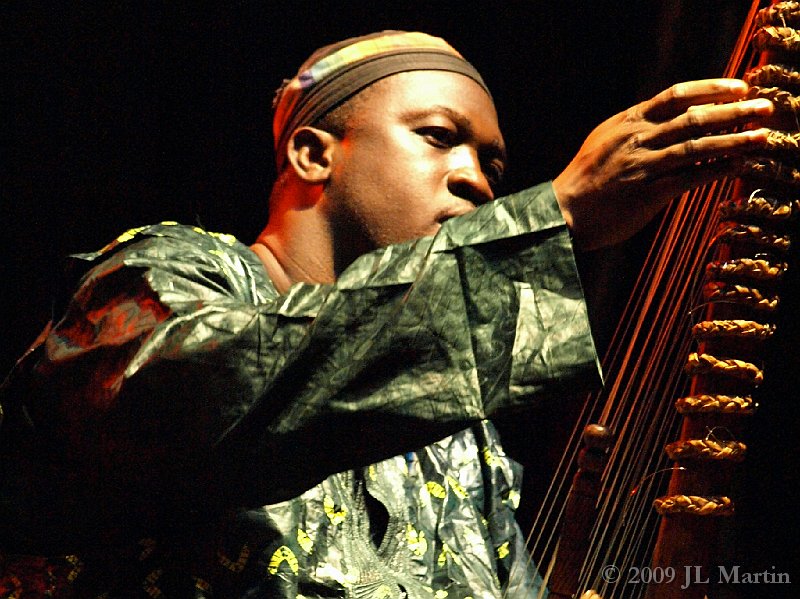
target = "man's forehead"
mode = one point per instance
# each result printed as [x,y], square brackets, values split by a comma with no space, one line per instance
[416,95]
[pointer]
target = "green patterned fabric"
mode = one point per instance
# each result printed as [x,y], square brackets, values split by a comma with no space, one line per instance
[179,393]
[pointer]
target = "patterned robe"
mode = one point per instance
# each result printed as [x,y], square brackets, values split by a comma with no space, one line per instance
[185,430]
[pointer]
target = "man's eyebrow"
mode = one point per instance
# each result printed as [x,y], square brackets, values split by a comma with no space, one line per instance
[495,149]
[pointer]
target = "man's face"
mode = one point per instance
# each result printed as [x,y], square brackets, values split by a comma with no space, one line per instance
[424,146]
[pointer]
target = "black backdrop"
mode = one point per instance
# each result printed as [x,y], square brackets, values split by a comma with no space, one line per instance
[131,113]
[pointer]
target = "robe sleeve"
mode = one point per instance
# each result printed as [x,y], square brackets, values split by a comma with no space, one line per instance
[178,376]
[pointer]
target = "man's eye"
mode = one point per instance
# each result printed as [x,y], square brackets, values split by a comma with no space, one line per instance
[440,137]
[493,173]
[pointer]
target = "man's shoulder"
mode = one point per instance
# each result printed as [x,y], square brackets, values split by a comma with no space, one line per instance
[179,252]
[170,234]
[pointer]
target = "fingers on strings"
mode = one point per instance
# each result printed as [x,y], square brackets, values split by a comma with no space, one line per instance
[690,130]
[676,100]
[707,120]
[700,150]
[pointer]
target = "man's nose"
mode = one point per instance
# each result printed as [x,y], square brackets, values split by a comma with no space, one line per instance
[466,179]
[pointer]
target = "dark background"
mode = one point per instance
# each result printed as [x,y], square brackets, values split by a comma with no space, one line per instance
[132,113]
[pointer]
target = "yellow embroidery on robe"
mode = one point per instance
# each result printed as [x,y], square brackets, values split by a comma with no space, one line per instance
[129,234]
[503,551]
[416,540]
[225,238]
[283,554]
[334,515]
[487,456]
[513,498]
[435,489]
[442,559]
[305,542]
[460,492]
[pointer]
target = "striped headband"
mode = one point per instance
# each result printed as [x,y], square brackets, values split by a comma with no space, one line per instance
[336,72]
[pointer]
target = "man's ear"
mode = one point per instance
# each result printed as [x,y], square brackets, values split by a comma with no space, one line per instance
[310,152]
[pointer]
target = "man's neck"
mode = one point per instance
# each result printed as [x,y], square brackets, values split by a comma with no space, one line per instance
[274,269]
[295,248]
